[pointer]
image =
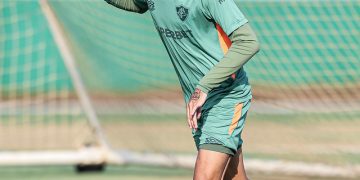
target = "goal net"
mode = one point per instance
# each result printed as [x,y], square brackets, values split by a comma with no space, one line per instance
[79,74]
[44,108]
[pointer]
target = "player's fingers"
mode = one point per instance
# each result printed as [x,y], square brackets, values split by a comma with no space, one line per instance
[195,122]
[192,124]
[189,123]
[193,108]
[198,114]
[187,111]
[189,118]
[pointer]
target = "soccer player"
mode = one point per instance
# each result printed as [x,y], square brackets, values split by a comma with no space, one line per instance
[208,42]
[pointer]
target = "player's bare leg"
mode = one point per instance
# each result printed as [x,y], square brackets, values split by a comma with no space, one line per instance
[235,169]
[210,165]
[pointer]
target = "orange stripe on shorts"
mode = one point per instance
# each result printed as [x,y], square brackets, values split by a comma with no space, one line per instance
[236,118]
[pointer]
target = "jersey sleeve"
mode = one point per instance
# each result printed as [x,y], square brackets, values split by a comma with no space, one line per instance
[244,46]
[225,13]
[139,6]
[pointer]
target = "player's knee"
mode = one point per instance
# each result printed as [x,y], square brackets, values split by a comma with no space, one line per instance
[206,172]
[206,175]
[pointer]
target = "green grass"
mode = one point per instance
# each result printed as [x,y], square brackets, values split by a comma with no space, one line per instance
[291,118]
[312,138]
[111,172]
[130,172]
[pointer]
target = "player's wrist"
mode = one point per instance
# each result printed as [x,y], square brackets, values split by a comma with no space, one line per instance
[203,89]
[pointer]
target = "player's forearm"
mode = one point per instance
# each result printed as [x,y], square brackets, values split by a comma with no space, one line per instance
[244,46]
[128,5]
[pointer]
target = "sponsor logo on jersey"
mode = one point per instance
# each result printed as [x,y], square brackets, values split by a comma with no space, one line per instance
[182,12]
[174,34]
[151,5]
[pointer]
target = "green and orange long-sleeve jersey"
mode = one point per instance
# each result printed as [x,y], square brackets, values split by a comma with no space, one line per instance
[208,42]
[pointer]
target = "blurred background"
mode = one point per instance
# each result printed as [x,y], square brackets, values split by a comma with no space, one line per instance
[305,117]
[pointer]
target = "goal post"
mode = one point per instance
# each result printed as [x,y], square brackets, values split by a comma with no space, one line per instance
[69,62]
[47,105]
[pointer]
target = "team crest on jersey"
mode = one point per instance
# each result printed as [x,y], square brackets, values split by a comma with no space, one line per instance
[182,12]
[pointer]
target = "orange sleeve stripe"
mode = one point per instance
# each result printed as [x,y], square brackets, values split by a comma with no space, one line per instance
[225,42]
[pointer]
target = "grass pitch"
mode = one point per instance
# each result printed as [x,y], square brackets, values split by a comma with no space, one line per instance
[121,173]
[272,137]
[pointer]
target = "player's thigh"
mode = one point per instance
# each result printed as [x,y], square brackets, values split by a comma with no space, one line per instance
[222,125]
[210,165]
[235,169]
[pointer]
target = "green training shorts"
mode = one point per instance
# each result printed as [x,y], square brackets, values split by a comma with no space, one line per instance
[220,127]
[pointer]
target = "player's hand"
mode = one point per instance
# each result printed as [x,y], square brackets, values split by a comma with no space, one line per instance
[193,108]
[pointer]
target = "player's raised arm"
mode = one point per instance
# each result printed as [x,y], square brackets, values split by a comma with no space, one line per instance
[138,6]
